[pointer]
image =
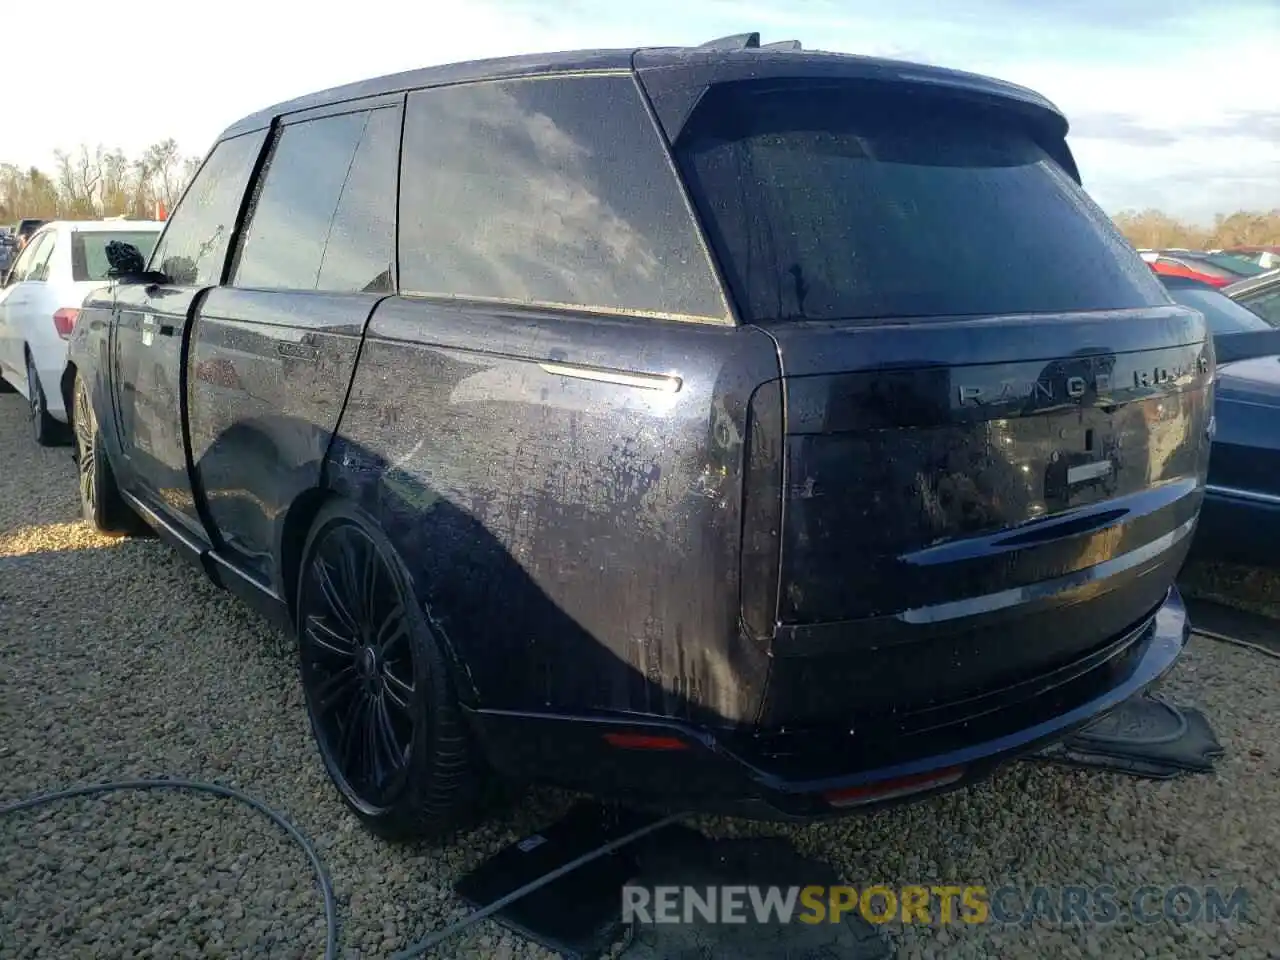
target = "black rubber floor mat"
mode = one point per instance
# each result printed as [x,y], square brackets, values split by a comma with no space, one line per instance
[1145,736]
[762,863]
[579,914]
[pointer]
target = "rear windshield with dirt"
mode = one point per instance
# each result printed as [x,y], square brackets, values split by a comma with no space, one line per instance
[836,202]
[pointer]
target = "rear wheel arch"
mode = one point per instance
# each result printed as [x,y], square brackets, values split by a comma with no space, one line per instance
[294,533]
[444,781]
[293,539]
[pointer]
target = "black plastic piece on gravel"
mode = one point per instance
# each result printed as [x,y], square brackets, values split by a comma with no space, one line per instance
[579,914]
[764,862]
[1146,737]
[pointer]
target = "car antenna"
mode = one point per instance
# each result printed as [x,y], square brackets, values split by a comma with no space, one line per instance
[782,45]
[739,41]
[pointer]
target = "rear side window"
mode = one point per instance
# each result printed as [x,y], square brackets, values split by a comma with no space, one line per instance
[362,240]
[1265,303]
[553,191]
[89,250]
[193,248]
[325,215]
[843,201]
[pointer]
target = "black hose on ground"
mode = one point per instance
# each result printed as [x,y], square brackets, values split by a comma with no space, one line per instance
[217,790]
[1236,642]
[318,867]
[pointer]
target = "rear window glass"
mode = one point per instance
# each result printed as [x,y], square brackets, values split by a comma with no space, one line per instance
[89,250]
[842,202]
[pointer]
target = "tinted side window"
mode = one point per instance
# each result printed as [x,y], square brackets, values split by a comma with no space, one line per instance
[193,249]
[362,241]
[289,225]
[1224,314]
[552,191]
[1265,303]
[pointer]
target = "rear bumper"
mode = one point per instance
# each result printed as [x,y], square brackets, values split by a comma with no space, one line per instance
[811,774]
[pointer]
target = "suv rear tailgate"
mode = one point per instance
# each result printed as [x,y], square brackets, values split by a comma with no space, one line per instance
[994,420]
[952,527]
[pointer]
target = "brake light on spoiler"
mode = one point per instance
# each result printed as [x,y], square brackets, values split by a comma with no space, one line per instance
[897,787]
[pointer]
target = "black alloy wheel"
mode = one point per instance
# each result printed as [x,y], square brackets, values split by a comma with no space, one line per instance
[101,505]
[382,708]
[83,427]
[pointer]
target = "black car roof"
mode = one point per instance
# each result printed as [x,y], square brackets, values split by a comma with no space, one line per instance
[716,57]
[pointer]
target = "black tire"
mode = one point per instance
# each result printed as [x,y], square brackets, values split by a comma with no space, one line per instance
[377,685]
[101,505]
[47,431]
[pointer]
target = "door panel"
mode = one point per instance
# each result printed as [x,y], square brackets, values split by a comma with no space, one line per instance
[272,355]
[152,322]
[16,301]
[268,375]
[150,327]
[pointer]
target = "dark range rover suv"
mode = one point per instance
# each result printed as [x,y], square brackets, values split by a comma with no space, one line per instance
[730,427]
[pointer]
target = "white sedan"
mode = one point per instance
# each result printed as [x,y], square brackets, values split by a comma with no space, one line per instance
[62,263]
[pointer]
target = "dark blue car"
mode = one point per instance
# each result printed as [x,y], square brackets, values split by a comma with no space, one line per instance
[659,423]
[1240,520]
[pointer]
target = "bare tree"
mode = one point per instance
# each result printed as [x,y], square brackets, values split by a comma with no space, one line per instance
[165,163]
[88,183]
[79,176]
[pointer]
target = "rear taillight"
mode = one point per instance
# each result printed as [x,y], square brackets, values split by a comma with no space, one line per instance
[644,741]
[65,321]
[898,787]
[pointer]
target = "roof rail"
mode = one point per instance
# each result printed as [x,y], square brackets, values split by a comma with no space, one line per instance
[782,45]
[739,41]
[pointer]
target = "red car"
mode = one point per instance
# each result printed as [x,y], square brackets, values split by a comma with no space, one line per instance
[1193,266]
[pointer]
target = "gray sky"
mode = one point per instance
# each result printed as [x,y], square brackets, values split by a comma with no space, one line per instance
[1173,105]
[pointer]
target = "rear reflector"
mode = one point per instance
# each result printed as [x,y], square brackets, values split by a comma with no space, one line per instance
[65,321]
[888,789]
[644,741]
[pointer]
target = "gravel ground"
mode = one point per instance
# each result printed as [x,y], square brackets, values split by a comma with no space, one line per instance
[118,661]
